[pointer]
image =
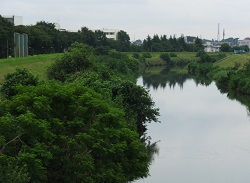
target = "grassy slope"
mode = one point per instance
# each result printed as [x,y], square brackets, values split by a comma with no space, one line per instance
[37,65]
[233,59]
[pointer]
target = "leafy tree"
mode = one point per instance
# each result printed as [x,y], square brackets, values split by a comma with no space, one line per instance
[69,133]
[88,37]
[123,41]
[137,105]
[6,37]
[225,47]
[19,77]
[100,38]
[77,59]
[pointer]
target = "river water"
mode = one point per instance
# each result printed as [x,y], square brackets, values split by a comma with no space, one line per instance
[204,137]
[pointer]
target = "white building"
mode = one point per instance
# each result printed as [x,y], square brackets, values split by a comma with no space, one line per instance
[212,48]
[244,42]
[110,33]
[16,20]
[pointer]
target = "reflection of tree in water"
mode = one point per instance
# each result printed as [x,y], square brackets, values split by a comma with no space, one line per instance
[165,77]
[243,99]
[151,148]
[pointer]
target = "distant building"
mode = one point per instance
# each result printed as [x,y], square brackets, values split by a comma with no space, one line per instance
[16,20]
[244,42]
[212,48]
[110,33]
[189,39]
[231,41]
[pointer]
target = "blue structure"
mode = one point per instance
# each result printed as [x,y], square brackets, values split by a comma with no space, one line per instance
[239,51]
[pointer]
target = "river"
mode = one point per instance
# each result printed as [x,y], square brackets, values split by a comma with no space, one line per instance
[203,137]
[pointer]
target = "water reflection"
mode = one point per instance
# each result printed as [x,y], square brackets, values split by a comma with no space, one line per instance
[162,76]
[203,136]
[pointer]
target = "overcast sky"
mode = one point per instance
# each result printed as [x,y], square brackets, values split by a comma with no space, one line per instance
[139,18]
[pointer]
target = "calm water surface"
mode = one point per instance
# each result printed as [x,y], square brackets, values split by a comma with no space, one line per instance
[204,137]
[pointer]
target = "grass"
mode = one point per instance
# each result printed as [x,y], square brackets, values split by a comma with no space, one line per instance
[37,65]
[233,59]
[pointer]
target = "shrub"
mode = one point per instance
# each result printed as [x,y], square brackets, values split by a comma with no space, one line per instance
[136,55]
[147,55]
[172,55]
[165,57]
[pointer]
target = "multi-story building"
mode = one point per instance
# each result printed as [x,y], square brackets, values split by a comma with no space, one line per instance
[110,33]
[16,20]
[244,42]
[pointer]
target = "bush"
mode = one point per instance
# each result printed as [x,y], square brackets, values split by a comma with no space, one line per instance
[147,55]
[136,55]
[165,57]
[172,55]
[200,53]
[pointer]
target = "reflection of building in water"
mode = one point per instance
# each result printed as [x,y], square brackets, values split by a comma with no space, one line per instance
[16,20]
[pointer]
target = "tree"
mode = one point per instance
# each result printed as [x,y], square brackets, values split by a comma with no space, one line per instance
[77,59]
[87,36]
[137,104]
[19,77]
[225,47]
[123,41]
[6,37]
[69,133]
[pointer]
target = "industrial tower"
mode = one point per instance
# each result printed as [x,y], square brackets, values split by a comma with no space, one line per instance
[218,35]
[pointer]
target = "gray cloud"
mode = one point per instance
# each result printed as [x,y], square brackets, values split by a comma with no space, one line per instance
[138,17]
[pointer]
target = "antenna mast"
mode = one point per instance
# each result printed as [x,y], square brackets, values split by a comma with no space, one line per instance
[218,35]
[224,34]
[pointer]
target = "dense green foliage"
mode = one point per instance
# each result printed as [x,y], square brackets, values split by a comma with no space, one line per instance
[13,80]
[86,129]
[173,44]
[6,37]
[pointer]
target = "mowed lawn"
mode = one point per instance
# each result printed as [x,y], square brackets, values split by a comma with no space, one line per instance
[37,65]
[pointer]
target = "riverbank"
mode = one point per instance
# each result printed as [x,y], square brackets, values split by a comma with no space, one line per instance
[38,64]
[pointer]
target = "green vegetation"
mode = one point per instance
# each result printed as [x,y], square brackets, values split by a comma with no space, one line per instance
[37,65]
[86,123]
[233,60]
[228,73]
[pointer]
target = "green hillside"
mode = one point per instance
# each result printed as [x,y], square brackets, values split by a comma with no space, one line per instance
[233,59]
[37,65]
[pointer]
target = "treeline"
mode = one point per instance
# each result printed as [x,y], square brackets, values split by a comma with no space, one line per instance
[45,38]
[86,124]
[171,44]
